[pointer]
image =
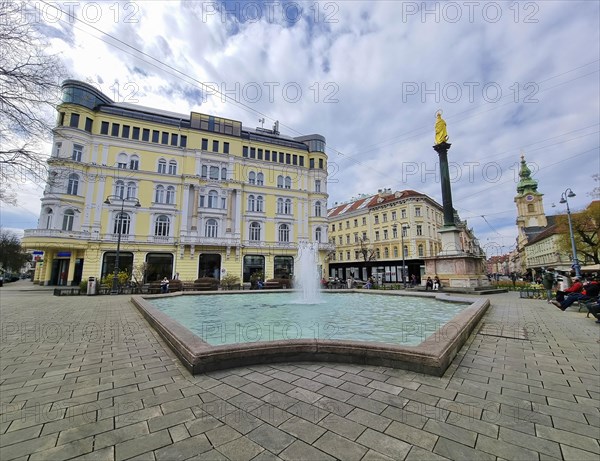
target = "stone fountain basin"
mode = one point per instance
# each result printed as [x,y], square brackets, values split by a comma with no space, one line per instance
[432,356]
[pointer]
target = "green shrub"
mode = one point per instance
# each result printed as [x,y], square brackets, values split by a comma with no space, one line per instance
[229,281]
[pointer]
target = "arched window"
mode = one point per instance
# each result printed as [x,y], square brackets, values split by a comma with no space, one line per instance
[211,227]
[395,252]
[317,208]
[48,218]
[259,203]
[252,177]
[280,205]
[420,249]
[204,171]
[122,161]
[161,226]
[68,218]
[213,199]
[254,232]
[405,251]
[73,184]
[131,190]
[162,166]
[287,209]
[134,162]
[122,222]
[120,189]
[530,207]
[378,253]
[251,203]
[214,172]
[170,195]
[288,182]
[318,234]
[159,196]
[172,167]
[386,252]
[223,174]
[260,179]
[280,182]
[284,233]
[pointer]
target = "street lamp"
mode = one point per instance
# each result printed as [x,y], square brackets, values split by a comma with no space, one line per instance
[115,287]
[563,199]
[403,227]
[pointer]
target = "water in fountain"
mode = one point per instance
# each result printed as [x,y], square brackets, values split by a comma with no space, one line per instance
[307,274]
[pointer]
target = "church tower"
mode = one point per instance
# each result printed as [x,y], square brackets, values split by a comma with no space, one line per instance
[531,218]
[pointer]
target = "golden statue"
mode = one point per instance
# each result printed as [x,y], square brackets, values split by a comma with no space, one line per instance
[441,135]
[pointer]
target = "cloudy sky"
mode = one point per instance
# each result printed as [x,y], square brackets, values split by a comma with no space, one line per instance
[369,76]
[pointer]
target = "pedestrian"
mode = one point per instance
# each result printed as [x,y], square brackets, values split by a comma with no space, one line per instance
[429,284]
[548,283]
[164,285]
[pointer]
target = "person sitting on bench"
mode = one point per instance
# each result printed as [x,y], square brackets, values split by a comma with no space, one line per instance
[580,293]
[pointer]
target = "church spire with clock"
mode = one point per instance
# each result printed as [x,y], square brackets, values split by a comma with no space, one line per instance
[531,218]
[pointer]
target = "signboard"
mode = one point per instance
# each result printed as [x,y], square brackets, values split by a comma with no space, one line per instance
[63,254]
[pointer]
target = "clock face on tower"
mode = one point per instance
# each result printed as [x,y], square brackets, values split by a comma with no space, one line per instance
[529,198]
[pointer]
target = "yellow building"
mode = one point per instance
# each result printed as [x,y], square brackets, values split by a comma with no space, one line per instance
[369,232]
[195,194]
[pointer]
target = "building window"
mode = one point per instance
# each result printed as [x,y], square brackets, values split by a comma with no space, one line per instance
[404,231]
[259,203]
[131,190]
[403,213]
[89,123]
[162,166]
[162,226]
[287,209]
[284,233]
[254,232]
[283,267]
[288,182]
[77,151]
[172,167]
[224,174]
[159,196]
[225,147]
[74,121]
[385,234]
[393,215]
[170,195]
[57,147]
[253,152]
[252,177]
[145,134]
[211,228]
[318,209]
[214,172]
[104,128]
[213,199]
[245,151]
[164,138]
[530,208]
[174,139]
[215,146]
[204,144]
[115,129]
[183,141]
[311,165]
[376,236]
[318,234]
[317,185]
[121,224]
[260,179]
[73,184]
[417,211]
[321,164]
[251,202]
[135,133]
[347,239]
[395,252]
[260,154]
[333,228]
[280,182]
[204,171]
[376,217]
[280,205]
[134,162]
[155,135]
[419,229]
[386,253]
[125,131]
[364,221]
[68,218]
[120,189]
[384,215]
[420,249]
[48,218]
[405,251]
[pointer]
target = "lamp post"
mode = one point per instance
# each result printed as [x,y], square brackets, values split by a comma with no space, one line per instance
[115,287]
[564,199]
[403,227]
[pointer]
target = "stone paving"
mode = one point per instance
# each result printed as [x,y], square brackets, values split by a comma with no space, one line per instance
[87,378]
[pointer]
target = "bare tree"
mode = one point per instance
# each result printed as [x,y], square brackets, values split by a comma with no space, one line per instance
[367,252]
[29,90]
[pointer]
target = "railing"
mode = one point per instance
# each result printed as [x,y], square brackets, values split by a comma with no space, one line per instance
[82,235]
[215,241]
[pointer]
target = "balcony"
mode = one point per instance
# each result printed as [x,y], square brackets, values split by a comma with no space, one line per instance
[212,241]
[56,233]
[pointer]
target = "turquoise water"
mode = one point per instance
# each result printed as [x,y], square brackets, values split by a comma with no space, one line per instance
[244,318]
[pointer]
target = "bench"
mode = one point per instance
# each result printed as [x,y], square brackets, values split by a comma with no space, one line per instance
[73,291]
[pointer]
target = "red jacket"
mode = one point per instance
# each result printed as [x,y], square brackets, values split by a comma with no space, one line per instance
[575,288]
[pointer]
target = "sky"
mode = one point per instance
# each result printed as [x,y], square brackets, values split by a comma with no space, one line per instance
[510,78]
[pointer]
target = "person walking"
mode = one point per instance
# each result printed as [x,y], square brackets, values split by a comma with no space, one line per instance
[548,283]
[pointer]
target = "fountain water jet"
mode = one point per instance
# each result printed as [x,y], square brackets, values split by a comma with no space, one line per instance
[308,279]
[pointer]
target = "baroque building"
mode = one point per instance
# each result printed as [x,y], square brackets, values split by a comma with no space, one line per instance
[196,194]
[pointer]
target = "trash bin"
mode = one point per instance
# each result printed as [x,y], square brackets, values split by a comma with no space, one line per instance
[91,286]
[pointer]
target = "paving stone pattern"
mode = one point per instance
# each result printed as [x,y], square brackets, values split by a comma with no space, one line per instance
[87,378]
